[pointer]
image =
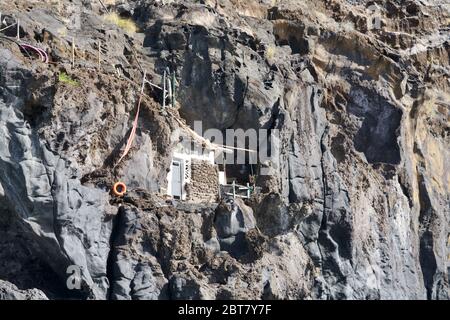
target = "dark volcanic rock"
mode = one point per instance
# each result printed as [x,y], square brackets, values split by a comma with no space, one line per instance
[354,206]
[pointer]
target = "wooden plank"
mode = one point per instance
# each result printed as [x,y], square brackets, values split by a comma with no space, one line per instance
[73,52]
[164,90]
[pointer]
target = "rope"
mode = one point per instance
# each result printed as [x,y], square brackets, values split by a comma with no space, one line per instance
[11,25]
[208,143]
[42,54]
[9,39]
[103,5]
[135,123]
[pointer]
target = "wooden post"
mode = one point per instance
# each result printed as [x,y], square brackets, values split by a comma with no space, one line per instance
[164,89]
[143,82]
[224,166]
[99,54]
[173,89]
[103,5]
[234,190]
[169,88]
[168,85]
[73,52]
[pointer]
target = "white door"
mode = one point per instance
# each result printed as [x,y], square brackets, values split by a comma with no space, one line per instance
[176,180]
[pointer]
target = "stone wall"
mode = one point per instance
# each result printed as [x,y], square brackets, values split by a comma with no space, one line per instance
[204,185]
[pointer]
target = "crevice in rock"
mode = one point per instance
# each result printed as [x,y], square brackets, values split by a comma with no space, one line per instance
[406,191]
[322,237]
[338,147]
[427,257]
[116,221]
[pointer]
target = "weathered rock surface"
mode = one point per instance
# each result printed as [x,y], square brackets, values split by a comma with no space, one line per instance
[356,206]
[8,291]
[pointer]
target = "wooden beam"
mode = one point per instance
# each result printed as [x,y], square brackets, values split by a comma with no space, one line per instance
[103,5]
[73,52]
[164,89]
[99,53]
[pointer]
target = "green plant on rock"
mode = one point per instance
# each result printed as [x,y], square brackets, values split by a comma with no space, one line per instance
[125,24]
[65,78]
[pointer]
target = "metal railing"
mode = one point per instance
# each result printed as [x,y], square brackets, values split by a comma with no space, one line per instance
[236,190]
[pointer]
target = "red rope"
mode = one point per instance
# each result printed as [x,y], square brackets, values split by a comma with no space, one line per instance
[133,131]
[135,122]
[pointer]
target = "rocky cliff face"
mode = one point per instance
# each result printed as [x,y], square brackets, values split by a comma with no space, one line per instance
[357,203]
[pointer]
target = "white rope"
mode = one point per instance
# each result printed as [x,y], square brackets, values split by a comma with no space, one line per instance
[12,25]
[208,143]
